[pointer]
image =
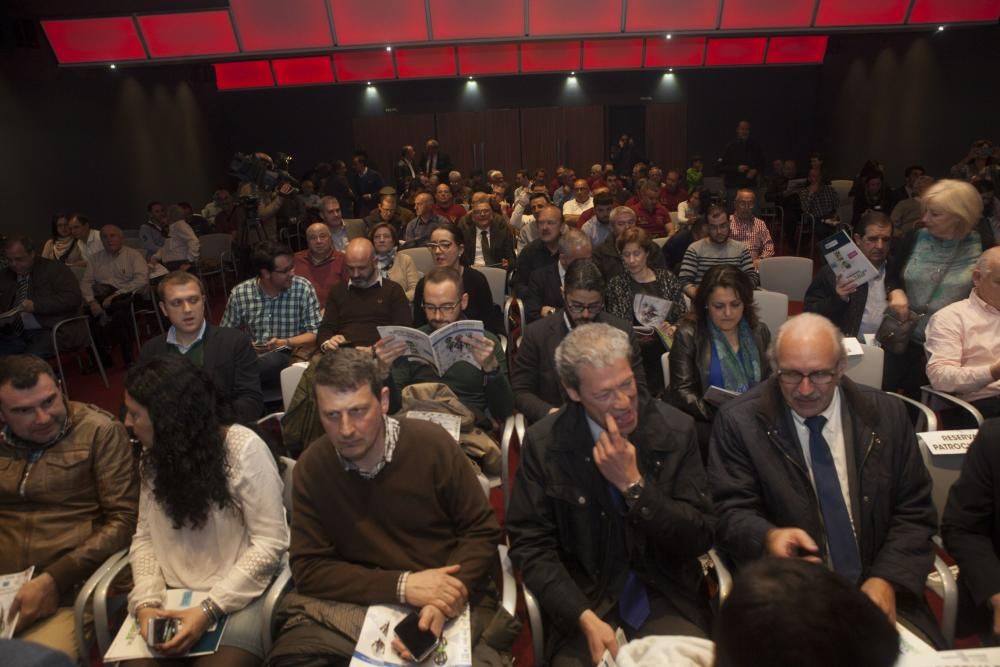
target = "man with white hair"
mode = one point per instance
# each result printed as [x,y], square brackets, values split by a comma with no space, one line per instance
[610,510]
[810,465]
[963,341]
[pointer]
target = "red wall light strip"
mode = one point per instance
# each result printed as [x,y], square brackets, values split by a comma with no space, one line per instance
[861,12]
[805,50]
[188,34]
[94,40]
[550,56]
[266,25]
[676,52]
[303,71]
[243,74]
[488,59]
[426,62]
[612,53]
[736,51]
[954,11]
[363,65]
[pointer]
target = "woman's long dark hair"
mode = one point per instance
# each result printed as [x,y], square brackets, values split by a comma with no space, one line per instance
[186,466]
[724,275]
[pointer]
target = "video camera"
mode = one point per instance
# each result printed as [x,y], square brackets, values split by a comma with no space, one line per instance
[268,175]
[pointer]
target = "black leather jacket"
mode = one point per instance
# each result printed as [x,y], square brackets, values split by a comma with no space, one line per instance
[690,361]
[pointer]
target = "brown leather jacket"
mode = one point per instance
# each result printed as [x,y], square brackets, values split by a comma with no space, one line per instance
[78,503]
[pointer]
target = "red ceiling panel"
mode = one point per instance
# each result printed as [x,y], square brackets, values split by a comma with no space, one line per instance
[669,15]
[810,49]
[433,61]
[265,25]
[378,21]
[861,12]
[363,65]
[94,40]
[475,19]
[574,17]
[188,34]
[487,59]
[947,11]
[303,71]
[243,74]
[612,53]
[737,51]
[676,52]
[550,56]
[740,14]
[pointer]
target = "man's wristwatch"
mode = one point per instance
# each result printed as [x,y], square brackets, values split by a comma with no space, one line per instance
[634,490]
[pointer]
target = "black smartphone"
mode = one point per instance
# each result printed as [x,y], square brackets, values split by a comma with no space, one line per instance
[160,630]
[420,643]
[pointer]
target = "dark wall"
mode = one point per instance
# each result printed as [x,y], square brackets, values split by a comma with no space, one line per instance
[103,142]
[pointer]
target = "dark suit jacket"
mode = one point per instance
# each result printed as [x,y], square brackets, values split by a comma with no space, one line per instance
[501,246]
[52,288]
[534,380]
[230,359]
[821,297]
[544,289]
[443,164]
[402,176]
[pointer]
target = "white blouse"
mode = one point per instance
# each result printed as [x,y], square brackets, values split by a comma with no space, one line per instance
[235,554]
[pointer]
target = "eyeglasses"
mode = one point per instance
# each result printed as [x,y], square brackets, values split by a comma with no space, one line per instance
[578,308]
[818,378]
[444,308]
[440,245]
[288,268]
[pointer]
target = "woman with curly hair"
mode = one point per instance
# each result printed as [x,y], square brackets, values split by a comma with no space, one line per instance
[211,517]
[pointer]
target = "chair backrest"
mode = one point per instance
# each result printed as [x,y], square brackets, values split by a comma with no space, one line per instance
[355,227]
[842,187]
[867,368]
[286,478]
[665,365]
[788,275]
[497,279]
[421,257]
[944,470]
[215,246]
[661,240]
[675,217]
[290,380]
[133,243]
[772,308]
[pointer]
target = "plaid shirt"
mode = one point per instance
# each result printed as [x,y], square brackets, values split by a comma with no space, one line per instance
[756,236]
[292,313]
[822,203]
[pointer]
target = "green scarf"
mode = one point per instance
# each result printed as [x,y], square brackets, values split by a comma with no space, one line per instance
[739,371]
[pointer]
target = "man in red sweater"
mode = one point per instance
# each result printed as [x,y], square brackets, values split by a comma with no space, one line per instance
[386,512]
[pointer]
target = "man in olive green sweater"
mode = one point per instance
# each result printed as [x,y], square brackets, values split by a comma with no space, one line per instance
[386,511]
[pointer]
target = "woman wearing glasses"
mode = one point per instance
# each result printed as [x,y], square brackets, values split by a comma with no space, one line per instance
[446,246]
[937,262]
[720,344]
[211,517]
[662,311]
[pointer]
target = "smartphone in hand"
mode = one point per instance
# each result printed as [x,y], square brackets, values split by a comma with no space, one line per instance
[420,643]
[160,631]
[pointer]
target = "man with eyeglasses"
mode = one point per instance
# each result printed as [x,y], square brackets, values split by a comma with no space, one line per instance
[488,241]
[544,294]
[746,227]
[542,251]
[713,250]
[610,510]
[810,465]
[607,254]
[389,212]
[524,223]
[226,354]
[278,309]
[582,201]
[537,390]
[484,389]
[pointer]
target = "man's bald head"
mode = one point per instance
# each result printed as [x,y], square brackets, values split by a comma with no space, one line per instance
[360,260]
[111,237]
[986,276]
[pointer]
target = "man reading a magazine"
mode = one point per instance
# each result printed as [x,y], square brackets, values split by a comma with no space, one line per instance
[68,497]
[485,389]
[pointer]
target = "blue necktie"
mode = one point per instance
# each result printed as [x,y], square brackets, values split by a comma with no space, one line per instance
[633,602]
[839,534]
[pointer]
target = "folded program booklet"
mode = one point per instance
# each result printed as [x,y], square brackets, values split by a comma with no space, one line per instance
[847,261]
[441,349]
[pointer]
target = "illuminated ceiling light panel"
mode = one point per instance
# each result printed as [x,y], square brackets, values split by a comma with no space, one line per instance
[94,40]
[289,25]
[311,70]
[243,74]
[379,21]
[188,34]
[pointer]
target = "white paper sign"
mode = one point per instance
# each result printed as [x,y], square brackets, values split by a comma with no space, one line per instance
[974,657]
[948,442]
[853,347]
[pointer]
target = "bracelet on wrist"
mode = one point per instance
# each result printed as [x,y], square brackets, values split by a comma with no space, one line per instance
[149,604]
[211,610]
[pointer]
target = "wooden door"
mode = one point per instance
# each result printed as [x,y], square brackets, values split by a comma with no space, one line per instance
[666,135]
[384,135]
[583,138]
[501,142]
[541,138]
[460,133]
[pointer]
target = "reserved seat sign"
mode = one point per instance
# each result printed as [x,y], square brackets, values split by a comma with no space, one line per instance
[944,443]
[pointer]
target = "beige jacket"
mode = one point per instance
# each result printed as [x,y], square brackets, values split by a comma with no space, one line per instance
[73,507]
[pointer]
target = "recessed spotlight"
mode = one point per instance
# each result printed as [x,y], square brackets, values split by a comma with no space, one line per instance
[471,79]
[671,70]
[369,83]
[388,48]
[572,73]
[940,28]
[113,66]
[669,36]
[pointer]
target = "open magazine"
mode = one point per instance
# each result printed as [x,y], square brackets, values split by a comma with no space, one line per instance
[846,259]
[441,349]
[10,584]
[650,312]
[129,644]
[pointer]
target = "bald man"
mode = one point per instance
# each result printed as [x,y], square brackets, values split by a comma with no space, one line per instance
[357,307]
[963,342]
[320,263]
[810,465]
